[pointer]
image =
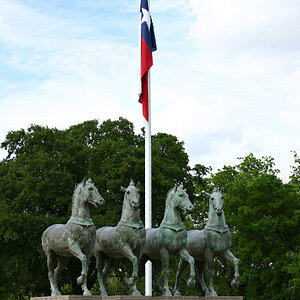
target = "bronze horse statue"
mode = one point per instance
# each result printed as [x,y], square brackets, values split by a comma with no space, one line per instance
[170,238]
[127,239]
[76,238]
[204,245]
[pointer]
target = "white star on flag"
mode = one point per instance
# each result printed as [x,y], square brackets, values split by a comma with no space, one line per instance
[146,17]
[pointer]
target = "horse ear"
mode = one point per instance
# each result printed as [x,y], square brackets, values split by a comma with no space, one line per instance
[84,180]
[138,184]
[207,194]
[222,190]
[123,189]
[175,188]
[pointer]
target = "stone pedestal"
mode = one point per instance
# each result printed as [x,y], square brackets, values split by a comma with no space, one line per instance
[79,297]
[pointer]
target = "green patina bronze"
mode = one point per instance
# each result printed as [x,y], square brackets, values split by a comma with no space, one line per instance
[136,225]
[127,239]
[170,238]
[76,238]
[176,227]
[204,245]
[82,222]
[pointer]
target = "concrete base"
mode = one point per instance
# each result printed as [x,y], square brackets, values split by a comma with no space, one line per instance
[79,297]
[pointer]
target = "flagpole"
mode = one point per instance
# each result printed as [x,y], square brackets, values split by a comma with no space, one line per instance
[148,188]
[149,45]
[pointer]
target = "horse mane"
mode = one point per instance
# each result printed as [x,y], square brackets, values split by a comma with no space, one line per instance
[168,195]
[75,192]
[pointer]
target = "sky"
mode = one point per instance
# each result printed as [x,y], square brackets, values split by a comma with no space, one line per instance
[225,79]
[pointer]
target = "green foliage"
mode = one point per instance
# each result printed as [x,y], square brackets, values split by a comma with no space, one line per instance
[292,265]
[262,213]
[36,185]
[201,178]
[44,164]
[169,165]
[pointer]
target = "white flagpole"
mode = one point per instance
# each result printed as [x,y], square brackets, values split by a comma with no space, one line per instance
[148,187]
[148,193]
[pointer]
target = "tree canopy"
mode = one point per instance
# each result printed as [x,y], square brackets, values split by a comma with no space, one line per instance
[39,174]
[262,211]
[43,165]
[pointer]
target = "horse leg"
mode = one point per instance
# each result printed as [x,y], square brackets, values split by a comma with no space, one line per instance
[135,268]
[157,270]
[140,254]
[82,279]
[230,257]
[164,255]
[200,267]
[62,262]
[100,264]
[182,265]
[51,262]
[211,272]
[107,266]
[184,254]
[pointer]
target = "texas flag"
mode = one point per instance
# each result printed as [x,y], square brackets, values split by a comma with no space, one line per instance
[148,45]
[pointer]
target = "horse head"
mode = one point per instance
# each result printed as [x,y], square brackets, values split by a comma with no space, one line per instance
[181,199]
[216,200]
[132,195]
[90,193]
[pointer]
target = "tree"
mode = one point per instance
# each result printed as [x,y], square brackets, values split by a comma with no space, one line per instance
[37,179]
[263,215]
[201,178]
[44,164]
[292,266]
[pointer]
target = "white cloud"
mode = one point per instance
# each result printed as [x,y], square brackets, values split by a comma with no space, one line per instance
[246,67]
[248,24]
[76,77]
[230,86]
[166,5]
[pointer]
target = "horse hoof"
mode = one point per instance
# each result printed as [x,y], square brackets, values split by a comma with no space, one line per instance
[87,293]
[191,282]
[213,293]
[177,293]
[104,293]
[55,293]
[136,293]
[167,293]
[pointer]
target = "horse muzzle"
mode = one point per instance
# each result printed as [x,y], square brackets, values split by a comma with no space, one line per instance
[98,203]
[135,205]
[219,212]
[190,209]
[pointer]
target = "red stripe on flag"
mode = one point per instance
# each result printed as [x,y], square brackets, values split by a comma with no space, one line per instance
[146,56]
[144,97]
[146,63]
